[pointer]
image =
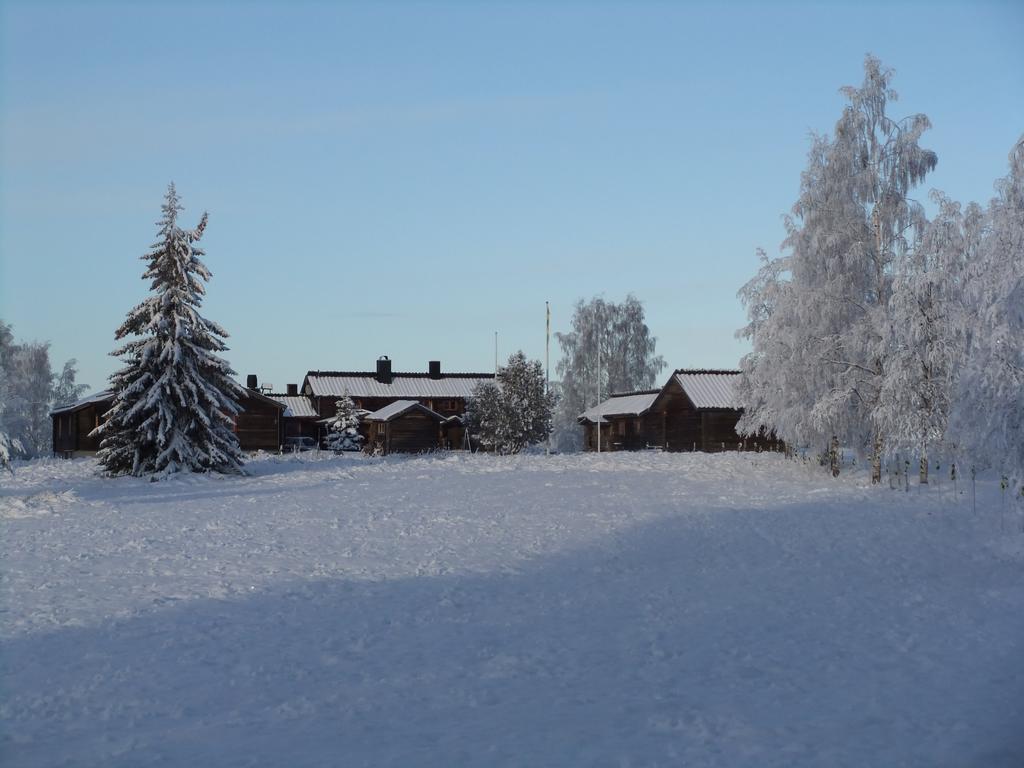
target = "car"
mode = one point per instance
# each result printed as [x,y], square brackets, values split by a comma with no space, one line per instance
[298,444]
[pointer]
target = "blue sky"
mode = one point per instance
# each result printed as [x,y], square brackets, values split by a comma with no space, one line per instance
[405,179]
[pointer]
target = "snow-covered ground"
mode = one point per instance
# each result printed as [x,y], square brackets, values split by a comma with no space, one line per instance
[615,610]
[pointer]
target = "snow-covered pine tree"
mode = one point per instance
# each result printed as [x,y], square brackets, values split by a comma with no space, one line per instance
[175,400]
[344,427]
[988,421]
[514,411]
[818,363]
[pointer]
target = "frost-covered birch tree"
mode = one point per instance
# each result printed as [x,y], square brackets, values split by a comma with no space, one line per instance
[818,362]
[988,422]
[31,379]
[928,338]
[627,360]
[30,392]
[175,398]
[9,446]
[65,388]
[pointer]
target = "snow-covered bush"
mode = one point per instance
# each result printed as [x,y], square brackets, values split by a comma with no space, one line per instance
[514,411]
[175,400]
[344,427]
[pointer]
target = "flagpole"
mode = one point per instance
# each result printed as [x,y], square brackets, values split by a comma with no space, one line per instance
[547,363]
[599,391]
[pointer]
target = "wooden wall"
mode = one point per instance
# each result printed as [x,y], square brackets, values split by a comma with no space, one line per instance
[71,430]
[296,427]
[674,424]
[412,432]
[258,426]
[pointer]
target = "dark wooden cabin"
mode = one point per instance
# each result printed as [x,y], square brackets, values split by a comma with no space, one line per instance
[73,423]
[626,422]
[696,410]
[300,418]
[443,393]
[405,426]
[259,426]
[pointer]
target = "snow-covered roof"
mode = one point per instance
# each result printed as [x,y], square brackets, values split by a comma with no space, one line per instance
[397,408]
[630,404]
[295,406]
[404,385]
[96,397]
[710,389]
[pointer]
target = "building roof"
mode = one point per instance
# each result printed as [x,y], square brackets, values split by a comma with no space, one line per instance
[706,388]
[296,406]
[255,394]
[709,388]
[403,385]
[400,407]
[93,399]
[628,404]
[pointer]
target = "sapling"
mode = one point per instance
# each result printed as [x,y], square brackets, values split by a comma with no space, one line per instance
[974,490]
[1004,482]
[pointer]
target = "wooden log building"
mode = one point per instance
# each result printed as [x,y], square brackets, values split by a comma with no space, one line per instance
[406,426]
[73,423]
[445,394]
[267,419]
[259,425]
[300,418]
[696,410]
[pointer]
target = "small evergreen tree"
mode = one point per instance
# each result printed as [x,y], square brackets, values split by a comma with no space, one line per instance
[175,400]
[344,427]
[513,412]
